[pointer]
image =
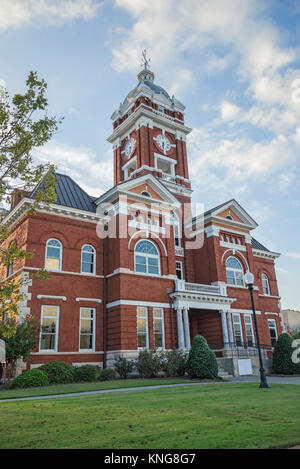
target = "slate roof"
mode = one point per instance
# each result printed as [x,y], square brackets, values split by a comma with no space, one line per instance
[257,245]
[70,194]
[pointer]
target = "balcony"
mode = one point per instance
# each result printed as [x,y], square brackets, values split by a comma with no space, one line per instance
[179,251]
[198,288]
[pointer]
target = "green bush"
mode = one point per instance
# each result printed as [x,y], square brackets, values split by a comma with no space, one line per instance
[59,372]
[282,356]
[202,362]
[86,373]
[29,379]
[108,374]
[123,366]
[148,363]
[173,363]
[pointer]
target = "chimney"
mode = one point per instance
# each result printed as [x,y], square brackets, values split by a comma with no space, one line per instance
[17,196]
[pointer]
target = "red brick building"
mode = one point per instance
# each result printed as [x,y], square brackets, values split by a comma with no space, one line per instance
[133,268]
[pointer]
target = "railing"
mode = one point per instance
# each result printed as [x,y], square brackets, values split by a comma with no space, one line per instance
[179,251]
[168,177]
[183,286]
[243,350]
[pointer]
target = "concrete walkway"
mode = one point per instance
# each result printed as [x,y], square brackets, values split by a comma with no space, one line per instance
[244,379]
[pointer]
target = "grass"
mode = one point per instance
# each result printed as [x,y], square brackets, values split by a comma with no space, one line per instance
[82,387]
[238,415]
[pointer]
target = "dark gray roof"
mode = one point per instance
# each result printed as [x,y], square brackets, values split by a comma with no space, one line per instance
[70,194]
[257,245]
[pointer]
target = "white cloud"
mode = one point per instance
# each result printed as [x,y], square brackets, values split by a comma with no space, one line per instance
[92,172]
[17,13]
[228,110]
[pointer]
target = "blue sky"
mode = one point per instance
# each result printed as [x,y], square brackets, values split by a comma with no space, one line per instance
[235,65]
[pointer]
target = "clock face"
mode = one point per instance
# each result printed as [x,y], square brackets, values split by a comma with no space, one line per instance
[129,147]
[163,143]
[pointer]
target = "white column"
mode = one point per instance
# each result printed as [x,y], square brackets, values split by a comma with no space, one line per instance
[180,329]
[230,331]
[225,329]
[186,328]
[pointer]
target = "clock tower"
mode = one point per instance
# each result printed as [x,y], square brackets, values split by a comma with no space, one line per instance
[149,136]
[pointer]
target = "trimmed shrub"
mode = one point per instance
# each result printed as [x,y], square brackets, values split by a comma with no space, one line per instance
[202,362]
[148,363]
[59,372]
[108,374]
[86,373]
[30,379]
[173,363]
[282,356]
[123,366]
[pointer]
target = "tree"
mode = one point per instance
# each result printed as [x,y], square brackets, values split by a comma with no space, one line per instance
[24,125]
[202,362]
[282,356]
[26,338]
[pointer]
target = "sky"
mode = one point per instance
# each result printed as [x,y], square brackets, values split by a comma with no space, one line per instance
[235,65]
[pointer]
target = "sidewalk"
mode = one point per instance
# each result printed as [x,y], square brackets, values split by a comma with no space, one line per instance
[244,379]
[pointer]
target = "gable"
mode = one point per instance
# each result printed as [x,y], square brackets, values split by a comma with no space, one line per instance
[238,214]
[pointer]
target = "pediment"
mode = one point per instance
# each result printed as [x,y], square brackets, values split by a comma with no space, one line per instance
[232,213]
[134,188]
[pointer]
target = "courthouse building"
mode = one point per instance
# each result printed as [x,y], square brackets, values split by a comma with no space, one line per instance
[132,268]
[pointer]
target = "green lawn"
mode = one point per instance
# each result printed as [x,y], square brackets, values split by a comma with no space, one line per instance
[238,415]
[95,386]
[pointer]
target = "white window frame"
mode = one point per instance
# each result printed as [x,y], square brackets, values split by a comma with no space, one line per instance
[171,161]
[56,328]
[145,308]
[180,268]
[176,229]
[94,329]
[60,256]
[265,278]
[235,271]
[237,315]
[249,316]
[94,263]
[148,256]
[162,319]
[271,320]
[127,166]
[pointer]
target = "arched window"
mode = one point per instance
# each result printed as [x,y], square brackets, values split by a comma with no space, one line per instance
[53,254]
[146,258]
[176,229]
[88,259]
[265,284]
[146,194]
[234,272]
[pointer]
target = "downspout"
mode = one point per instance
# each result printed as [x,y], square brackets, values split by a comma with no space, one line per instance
[104,300]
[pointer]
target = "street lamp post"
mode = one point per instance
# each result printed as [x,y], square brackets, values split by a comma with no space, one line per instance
[249,280]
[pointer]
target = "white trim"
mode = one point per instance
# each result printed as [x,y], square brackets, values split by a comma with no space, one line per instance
[60,254]
[233,246]
[269,296]
[94,329]
[243,311]
[94,257]
[66,353]
[147,256]
[89,299]
[53,297]
[153,234]
[275,314]
[137,303]
[56,329]
[265,254]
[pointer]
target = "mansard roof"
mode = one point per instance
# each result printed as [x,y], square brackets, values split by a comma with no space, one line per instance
[258,245]
[70,194]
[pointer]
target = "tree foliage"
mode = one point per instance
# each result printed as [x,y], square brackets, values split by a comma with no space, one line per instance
[202,362]
[24,126]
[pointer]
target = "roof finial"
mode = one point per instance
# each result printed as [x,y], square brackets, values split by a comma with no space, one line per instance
[146,61]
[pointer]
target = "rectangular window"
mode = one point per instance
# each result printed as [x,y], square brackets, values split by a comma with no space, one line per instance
[273,331]
[237,329]
[158,328]
[249,330]
[142,327]
[49,328]
[87,329]
[179,272]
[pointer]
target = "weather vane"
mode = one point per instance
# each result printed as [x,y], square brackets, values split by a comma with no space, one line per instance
[145,61]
